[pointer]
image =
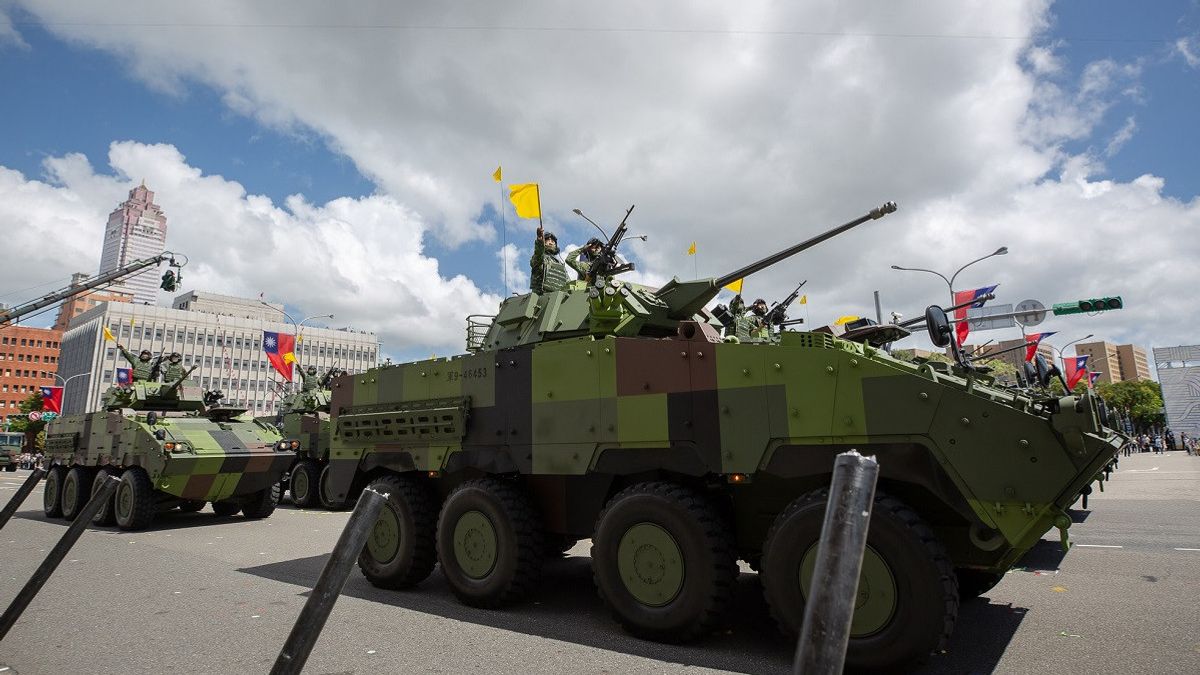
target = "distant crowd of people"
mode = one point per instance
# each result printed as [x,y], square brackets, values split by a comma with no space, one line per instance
[1160,443]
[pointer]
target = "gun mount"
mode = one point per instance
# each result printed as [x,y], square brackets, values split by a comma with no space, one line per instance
[602,304]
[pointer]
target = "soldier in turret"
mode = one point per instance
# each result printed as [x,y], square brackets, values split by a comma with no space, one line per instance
[175,369]
[752,325]
[143,366]
[309,378]
[581,258]
[547,272]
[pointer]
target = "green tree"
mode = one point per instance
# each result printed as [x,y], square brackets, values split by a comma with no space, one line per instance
[32,430]
[1140,399]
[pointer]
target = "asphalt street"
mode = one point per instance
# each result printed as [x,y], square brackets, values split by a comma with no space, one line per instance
[200,593]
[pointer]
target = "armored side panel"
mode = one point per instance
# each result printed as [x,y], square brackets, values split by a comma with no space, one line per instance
[312,430]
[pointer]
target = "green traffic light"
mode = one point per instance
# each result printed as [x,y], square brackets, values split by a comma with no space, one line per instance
[1088,306]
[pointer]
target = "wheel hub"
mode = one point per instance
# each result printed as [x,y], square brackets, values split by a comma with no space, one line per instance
[124,501]
[875,604]
[69,490]
[650,564]
[475,546]
[300,485]
[384,543]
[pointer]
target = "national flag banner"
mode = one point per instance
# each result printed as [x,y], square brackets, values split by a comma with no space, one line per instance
[1092,377]
[281,352]
[108,334]
[692,249]
[735,286]
[124,376]
[963,327]
[496,175]
[52,399]
[526,200]
[1076,367]
[1034,340]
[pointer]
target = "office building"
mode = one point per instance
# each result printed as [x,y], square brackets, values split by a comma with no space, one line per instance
[28,359]
[1115,363]
[1179,374]
[220,335]
[136,229]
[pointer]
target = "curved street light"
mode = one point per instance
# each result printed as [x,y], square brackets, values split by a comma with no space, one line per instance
[950,281]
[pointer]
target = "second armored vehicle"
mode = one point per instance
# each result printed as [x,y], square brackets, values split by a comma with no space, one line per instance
[10,450]
[171,448]
[304,418]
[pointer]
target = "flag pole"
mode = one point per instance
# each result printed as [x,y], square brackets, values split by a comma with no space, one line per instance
[504,238]
[537,191]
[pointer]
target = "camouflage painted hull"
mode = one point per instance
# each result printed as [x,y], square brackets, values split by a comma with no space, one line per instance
[207,460]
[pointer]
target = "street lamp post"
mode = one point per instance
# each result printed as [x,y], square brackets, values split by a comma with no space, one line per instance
[950,281]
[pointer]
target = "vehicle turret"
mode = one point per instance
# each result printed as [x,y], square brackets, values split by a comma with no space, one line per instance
[602,304]
[180,394]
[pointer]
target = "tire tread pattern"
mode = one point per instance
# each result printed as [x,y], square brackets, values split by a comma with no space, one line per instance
[716,530]
[424,508]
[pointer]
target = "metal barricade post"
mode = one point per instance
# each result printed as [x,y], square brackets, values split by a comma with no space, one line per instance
[22,493]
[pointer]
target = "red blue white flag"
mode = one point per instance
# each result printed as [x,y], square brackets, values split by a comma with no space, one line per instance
[124,377]
[1076,368]
[1034,340]
[963,327]
[52,399]
[281,352]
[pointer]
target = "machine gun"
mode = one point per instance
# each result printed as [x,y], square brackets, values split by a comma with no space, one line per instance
[777,315]
[607,264]
[156,368]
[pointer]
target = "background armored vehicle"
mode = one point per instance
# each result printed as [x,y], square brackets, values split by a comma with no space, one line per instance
[10,450]
[304,418]
[616,412]
[170,450]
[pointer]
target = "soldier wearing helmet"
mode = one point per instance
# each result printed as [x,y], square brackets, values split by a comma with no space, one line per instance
[175,369]
[581,258]
[547,272]
[309,378]
[143,365]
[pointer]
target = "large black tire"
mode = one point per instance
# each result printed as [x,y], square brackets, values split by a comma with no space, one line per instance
[77,490]
[133,502]
[52,491]
[192,506]
[105,516]
[401,551]
[907,604]
[305,483]
[226,508]
[974,583]
[663,561]
[261,504]
[489,542]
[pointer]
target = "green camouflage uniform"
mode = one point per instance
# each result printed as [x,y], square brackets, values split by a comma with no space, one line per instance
[173,372]
[574,262]
[547,272]
[310,382]
[142,370]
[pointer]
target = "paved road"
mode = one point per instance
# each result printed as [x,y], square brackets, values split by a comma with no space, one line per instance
[205,594]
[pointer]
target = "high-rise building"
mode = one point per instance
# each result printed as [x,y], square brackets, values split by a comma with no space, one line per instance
[136,229]
[220,334]
[1115,363]
[28,359]
[78,304]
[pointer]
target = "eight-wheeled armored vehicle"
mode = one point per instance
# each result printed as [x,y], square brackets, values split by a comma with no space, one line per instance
[172,447]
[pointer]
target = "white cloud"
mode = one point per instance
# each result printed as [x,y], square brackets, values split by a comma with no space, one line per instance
[359,259]
[1185,48]
[720,125]
[514,267]
[9,36]
[1123,135]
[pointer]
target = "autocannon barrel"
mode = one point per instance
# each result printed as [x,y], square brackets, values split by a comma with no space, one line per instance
[766,262]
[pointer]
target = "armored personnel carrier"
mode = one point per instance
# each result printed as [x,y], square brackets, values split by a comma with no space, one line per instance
[172,447]
[10,450]
[617,412]
[304,418]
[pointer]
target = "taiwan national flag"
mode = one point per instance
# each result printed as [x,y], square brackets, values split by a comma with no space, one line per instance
[1092,377]
[52,399]
[124,377]
[1034,340]
[1076,369]
[281,352]
[963,327]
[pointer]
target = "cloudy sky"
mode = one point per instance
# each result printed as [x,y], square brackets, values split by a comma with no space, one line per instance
[339,160]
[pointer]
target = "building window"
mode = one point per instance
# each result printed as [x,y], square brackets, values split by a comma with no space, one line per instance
[107,376]
[237,342]
[208,361]
[110,353]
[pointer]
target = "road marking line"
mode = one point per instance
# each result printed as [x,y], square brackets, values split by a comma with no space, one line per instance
[1187,549]
[1142,470]
[1098,546]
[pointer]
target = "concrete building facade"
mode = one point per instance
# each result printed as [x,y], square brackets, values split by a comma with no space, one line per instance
[28,359]
[1115,363]
[226,347]
[1179,374]
[136,229]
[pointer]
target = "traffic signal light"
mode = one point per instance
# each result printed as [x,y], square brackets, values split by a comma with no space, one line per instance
[1088,306]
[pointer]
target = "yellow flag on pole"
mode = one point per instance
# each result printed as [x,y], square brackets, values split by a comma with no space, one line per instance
[692,249]
[496,175]
[736,286]
[526,200]
[804,299]
[842,321]
[108,334]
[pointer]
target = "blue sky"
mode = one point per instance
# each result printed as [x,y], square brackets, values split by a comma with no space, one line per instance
[428,117]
